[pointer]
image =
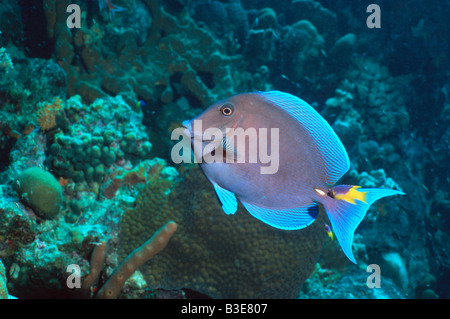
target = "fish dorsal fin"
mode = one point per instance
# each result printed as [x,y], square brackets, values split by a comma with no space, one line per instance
[289,219]
[334,156]
[227,199]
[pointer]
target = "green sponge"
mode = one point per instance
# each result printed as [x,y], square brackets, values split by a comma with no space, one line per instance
[40,190]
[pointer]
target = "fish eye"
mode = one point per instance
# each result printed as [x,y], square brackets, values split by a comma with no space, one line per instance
[227,109]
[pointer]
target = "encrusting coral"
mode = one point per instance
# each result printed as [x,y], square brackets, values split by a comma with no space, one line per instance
[221,256]
[47,114]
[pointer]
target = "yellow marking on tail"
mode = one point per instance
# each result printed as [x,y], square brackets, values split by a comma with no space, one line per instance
[351,195]
[330,234]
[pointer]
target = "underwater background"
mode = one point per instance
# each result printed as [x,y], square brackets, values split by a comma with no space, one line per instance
[88,187]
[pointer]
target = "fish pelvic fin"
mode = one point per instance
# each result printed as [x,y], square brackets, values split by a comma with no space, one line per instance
[346,207]
[227,199]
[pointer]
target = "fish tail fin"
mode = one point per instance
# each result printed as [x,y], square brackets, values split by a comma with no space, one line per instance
[346,208]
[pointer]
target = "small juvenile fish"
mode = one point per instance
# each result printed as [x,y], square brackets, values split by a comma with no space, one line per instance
[329,231]
[141,103]
[310,160]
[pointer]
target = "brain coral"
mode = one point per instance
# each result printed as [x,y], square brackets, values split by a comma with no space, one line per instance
[40,190]
[218,255]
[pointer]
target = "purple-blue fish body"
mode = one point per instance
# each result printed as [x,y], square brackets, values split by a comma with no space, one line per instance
[283,175]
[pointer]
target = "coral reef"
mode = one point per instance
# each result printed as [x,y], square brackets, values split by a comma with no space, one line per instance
[84,138]
[145,172]
[136,259]
[324,19]
[97,260]
[342,51]
[3,287]
[5,61]
[3,290]
[127,268]
[94,107]
[304,46]
[47,114]
[152,75]
[90,139]
[351,286]
[394,267]
[218,255]
[369,99]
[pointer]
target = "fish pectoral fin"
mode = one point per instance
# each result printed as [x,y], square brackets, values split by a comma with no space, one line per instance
[227,199]
[289,219]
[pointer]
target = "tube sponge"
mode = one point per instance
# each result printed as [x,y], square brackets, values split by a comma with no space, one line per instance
[136,259]
[39,190]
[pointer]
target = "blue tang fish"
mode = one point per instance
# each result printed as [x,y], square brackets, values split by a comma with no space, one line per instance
[309,158]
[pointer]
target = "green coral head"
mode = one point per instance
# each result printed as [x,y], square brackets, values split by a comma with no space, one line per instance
[38,189]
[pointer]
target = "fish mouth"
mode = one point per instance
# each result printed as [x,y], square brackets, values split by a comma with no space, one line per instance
[192,134]
[188,129]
